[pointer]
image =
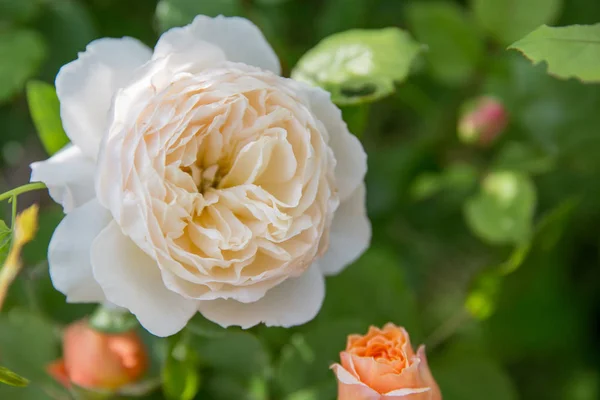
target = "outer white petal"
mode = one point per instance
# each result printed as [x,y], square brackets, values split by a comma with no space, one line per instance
[350,233]
[293,302]
[86,86]
[351,158]
[238,38]
[69,253]
[69,175]
[131,279]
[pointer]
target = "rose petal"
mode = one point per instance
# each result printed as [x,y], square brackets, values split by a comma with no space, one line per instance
[293,302]
[350,388]
[407,394]
[350,234]
[351,158]
[426,374]
[69,176]
[131,279]
[86,86]
[69,253]
[240,40]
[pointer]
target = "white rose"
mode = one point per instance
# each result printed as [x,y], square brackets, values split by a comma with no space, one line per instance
[200,180]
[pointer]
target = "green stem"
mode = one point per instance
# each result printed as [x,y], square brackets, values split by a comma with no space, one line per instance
[14,212]
[22,189]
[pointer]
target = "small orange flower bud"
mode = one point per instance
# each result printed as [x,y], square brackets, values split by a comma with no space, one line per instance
[97,360]
[383,365]
[482,121]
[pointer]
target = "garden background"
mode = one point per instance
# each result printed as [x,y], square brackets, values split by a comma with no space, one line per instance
[486,252]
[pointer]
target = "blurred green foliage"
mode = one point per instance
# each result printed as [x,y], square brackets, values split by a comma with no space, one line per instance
[489,255]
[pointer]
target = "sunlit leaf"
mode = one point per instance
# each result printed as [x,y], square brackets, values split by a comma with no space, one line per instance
[112,320]
[502,212]
[509,20]
[11,378]
[454,44]
[45,112]
[21,53]
[569,51]
[359,65]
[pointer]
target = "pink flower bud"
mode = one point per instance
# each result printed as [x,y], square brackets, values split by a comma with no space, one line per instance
[482,121]
[97,360]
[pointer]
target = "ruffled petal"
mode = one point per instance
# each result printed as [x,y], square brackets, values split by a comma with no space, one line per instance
[239,39]
[293,302]
[85,87]
[69,253]
[131,279]
[69,176]
[351,158]
[350,234]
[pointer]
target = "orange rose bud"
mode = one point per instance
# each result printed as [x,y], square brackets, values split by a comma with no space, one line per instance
[382,365]
[97,360]
[483,120]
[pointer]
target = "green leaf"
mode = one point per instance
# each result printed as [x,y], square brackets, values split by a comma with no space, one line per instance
[45,112]
[200,326]
[509,20]
[359,66]
[10,378]
[455,45]
[172,13]
[5,238]
[19,10]
[502,212]
[112,320]
[21,53]
[486,379]
[570,51]
[180,374]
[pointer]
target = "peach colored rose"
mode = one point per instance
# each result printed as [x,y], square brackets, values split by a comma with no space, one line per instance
[383,365]
[97,360]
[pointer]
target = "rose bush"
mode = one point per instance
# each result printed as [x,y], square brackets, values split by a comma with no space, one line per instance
[382,365]
[198,179]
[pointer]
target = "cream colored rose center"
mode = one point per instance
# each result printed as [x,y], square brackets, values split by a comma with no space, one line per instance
[238,178]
